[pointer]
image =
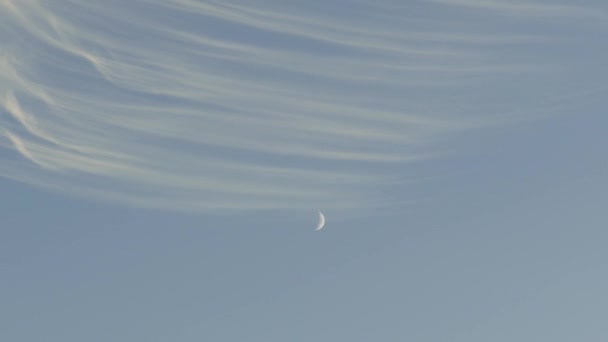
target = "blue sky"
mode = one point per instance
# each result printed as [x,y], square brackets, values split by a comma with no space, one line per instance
[162,163]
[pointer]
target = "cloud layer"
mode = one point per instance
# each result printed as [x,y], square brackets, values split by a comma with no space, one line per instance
[224,105]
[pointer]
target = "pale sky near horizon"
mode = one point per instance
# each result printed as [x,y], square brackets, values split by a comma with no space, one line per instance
[162,164]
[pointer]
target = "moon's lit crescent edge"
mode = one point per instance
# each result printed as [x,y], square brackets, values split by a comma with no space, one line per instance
[321,221]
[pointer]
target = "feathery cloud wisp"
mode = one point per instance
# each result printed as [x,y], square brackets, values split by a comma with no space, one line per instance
[209,105]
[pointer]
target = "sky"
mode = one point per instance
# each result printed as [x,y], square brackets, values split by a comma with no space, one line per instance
[162,164]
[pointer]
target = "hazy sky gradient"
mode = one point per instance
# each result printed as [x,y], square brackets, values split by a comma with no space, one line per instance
[162,162]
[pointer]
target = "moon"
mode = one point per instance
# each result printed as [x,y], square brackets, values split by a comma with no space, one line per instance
[321,221]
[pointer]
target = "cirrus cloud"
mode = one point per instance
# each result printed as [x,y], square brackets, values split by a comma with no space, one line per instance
[238,105]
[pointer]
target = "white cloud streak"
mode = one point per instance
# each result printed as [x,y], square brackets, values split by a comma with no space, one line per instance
[239,105]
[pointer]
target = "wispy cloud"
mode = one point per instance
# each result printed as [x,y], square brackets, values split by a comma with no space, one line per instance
[211,105]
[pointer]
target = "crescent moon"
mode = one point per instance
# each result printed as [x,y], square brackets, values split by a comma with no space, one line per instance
[321,221]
